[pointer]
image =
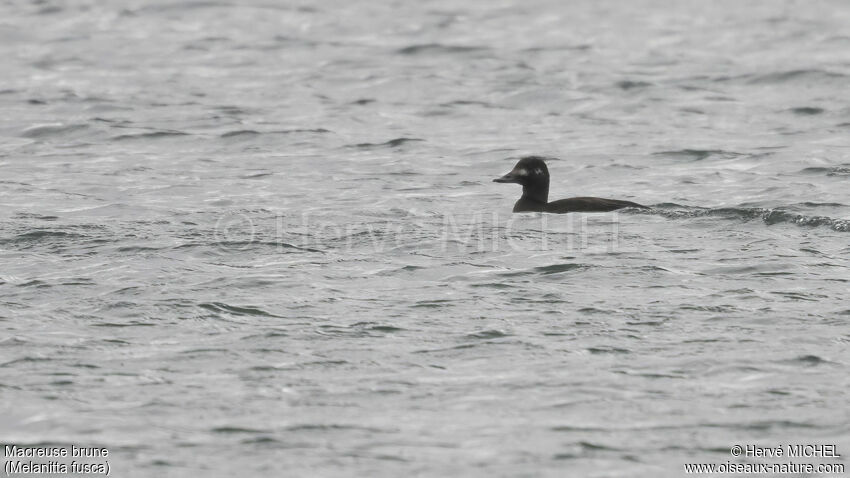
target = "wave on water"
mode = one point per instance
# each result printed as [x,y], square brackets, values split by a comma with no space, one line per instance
[698,154]
[437,48]
[251,132]
[807,110]
[54,130]
[770,216]
[150,135]
[393,143]
[841,170]
[806,76]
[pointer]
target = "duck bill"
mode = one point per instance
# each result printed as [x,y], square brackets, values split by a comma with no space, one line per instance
[511,177]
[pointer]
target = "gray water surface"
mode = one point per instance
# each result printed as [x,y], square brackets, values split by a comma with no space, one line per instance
[261,238]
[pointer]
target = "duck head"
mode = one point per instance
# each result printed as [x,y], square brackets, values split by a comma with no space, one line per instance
[531,172]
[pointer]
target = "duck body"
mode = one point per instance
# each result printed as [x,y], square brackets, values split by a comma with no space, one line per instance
[531,172]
